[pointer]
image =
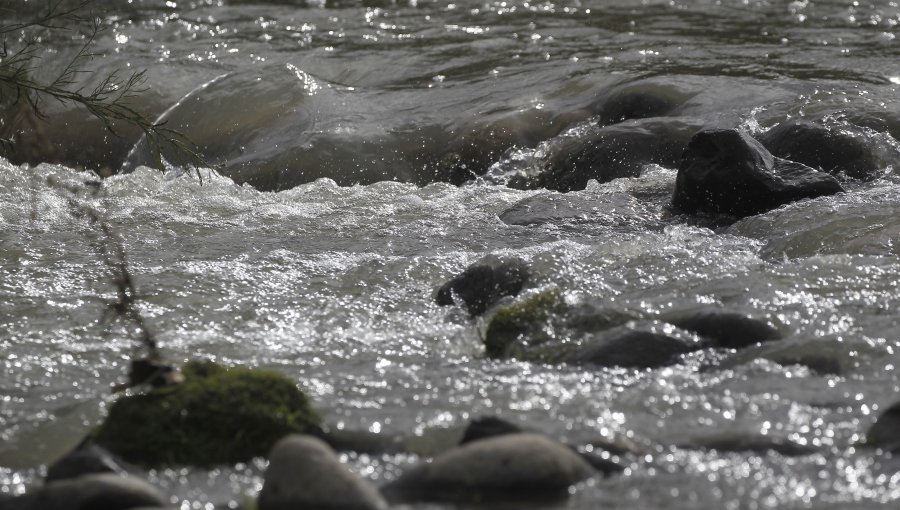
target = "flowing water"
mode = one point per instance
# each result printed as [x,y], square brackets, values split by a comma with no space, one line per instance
[345,128]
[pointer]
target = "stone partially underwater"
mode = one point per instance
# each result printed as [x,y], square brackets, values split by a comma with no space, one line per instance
[728,172]
[482,285]
[545,328]
[216,416]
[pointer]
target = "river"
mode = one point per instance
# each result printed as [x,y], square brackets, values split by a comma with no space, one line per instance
[369,150]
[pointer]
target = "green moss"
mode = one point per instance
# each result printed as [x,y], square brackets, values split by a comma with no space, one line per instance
[216,416]
[524,322]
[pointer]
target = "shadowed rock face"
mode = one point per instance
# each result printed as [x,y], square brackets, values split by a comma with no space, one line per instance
[830,150]
[728,172]
[482,285]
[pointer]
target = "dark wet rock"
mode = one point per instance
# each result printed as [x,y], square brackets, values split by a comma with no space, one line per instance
[488,426]
[483,284]
[511,467]
[885,432]
[95,492]
[218,415]
[832,150]
[612,152]
[727,329]
[304,472]
[83,461]
[634,346]
[754,443]
[728,172]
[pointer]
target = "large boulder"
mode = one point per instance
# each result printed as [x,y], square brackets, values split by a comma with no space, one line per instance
[304,472]
[94,492]
[511,467]
[483,284]
[216,416]
[725,171]
[833,150]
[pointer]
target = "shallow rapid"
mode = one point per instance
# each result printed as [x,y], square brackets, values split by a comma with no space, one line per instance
[420,138]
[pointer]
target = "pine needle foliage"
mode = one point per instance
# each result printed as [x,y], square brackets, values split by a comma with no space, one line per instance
[110,100]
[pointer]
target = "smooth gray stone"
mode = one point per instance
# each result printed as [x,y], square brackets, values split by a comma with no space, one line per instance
[101,491]
[488,426]
[304,472]
[510,467]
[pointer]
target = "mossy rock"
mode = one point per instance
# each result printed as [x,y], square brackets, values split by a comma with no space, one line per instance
[519,324]
[216,416]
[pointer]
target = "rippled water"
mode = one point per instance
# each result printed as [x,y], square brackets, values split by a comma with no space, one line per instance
[330,280]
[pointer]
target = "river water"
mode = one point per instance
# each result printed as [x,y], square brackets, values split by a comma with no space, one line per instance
[344,129]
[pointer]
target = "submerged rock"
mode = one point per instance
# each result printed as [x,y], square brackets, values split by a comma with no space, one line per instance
[728,330]
[728,172]
[304,472]
[885,432]
[94,492]
[836,151]
[639,101]
[755,443]
[512,467]
[634,346]
[609,209]
[482,285]
[217,415]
